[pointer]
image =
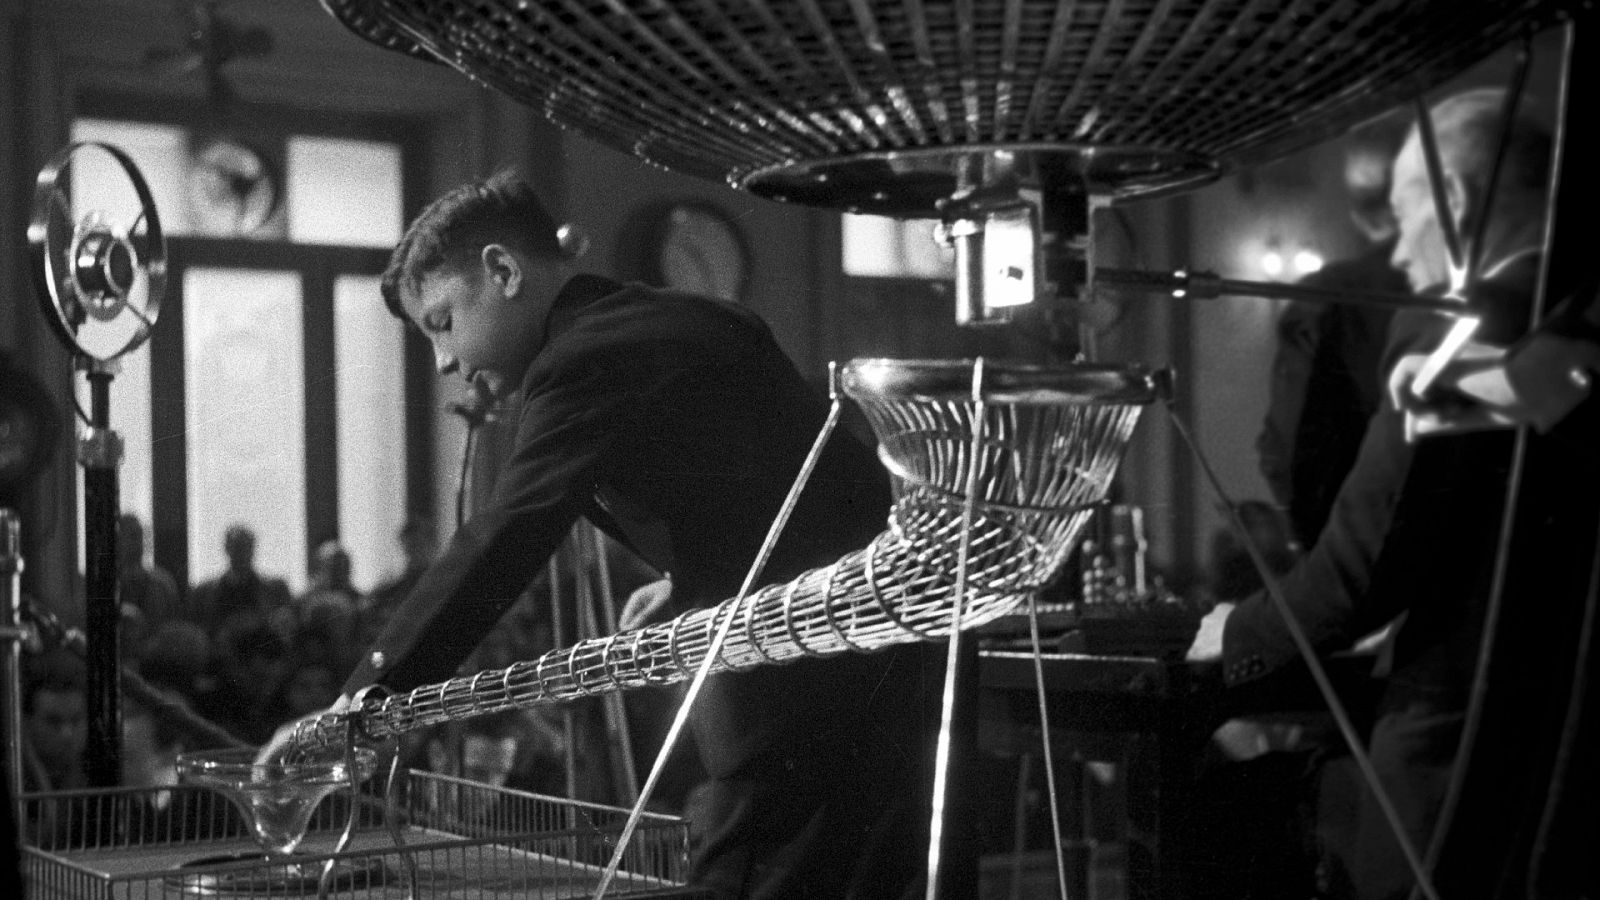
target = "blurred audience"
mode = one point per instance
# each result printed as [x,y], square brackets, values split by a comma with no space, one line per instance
[326,614]
[419,543]
[241,589]
[150,748]
[142,585]
[177,657]
[55,721]
[309,686]
[1325,373]
[250,661]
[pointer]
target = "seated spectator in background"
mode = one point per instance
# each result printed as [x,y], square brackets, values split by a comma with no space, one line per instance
[240,588]
[132,630]
[150,748]
[55,722]
[330,606]
[176,657]
[1233,572]
[309,686]
[147,588]
[1325,380]
[151,743]
[419,543]
[325,636]
[250,662]
[487,752]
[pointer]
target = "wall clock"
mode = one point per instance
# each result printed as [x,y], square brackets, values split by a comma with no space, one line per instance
[233,189]
[697,247]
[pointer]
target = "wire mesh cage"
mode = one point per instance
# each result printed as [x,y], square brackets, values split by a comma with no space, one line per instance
[1161,90]
[433,836]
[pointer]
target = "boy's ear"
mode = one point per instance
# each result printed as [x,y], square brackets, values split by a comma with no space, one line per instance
[503,265]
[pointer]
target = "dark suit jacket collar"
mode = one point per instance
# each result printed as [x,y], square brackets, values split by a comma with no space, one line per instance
[581,290]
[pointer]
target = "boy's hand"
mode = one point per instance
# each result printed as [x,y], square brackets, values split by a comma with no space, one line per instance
[644,603]
[279,746]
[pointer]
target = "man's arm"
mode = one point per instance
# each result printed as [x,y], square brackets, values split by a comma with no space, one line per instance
[566,426]
[1327,590]
[1538,381]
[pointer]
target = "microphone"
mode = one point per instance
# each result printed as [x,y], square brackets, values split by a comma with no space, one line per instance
[476,406]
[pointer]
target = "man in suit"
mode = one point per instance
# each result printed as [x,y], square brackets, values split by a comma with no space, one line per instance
[675,423]
[1416,527]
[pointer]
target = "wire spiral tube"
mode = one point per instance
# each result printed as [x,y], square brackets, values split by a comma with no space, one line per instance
[1048,459]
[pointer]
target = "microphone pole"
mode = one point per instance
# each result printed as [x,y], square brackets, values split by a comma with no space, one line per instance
[475,407]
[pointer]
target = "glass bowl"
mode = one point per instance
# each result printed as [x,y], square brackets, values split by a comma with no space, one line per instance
[277,799]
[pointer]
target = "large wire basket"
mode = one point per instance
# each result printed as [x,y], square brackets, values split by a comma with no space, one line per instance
[440,837]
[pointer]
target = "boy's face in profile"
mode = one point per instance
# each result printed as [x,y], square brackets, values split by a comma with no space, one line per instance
[484,318]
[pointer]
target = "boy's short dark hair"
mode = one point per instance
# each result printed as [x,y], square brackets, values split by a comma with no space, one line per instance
[503,208]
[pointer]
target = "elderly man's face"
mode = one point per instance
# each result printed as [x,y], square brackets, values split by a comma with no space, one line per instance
[1420,250]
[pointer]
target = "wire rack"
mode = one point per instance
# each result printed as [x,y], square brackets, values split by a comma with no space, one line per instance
[1051,440]
[440,837]
[735,88]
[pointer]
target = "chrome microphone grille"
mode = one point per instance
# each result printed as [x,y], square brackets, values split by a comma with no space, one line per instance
[778,95]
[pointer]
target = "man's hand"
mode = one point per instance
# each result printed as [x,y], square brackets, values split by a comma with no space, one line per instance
[1537,384]
[1449,406]
[644,603]
[1207,646]
[275,749]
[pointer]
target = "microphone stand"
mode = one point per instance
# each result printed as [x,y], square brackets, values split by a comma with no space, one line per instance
[475,408]
[12,636]
[100,454]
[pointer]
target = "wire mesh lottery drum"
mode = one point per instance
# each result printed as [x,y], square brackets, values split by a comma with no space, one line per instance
[1034,447]
[876,105]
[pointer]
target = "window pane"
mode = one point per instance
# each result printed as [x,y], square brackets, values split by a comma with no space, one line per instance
[370,386]
[244,393]
[160,152]
[344,192]
[884,247]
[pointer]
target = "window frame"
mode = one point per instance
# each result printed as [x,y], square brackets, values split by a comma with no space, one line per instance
[319,266]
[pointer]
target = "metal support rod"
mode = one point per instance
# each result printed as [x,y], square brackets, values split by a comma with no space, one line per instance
[1508,124]
[616,708]
[1446,217]
[100,455]
[757,567]
[1206,286]
[11,636]
[1048,750]
[947,712]
[1313,662]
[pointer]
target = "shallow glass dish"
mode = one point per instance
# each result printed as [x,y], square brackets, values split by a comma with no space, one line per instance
[277,799]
